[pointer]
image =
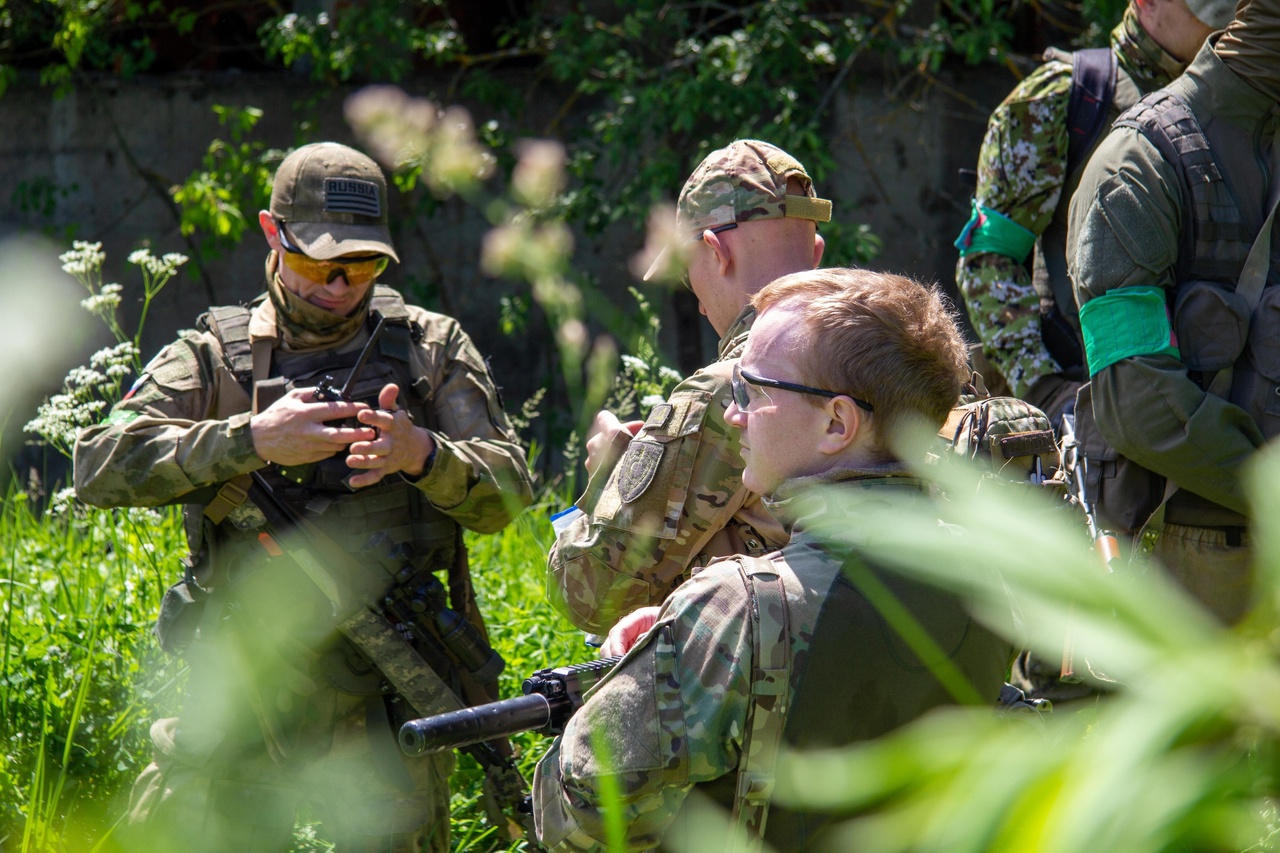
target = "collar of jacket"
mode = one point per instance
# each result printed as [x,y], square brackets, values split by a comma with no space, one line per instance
[1216,93]
[836,503]
[1148,64]
[735,338]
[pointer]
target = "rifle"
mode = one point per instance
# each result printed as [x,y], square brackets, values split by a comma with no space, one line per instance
[1105,543]
[551,697]
[382,624]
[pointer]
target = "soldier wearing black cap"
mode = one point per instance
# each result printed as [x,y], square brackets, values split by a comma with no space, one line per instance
[281,708]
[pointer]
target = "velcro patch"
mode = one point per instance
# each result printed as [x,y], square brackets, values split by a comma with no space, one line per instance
[119,417]
[1024,444]
[659,416]
[636,469]
[351,195]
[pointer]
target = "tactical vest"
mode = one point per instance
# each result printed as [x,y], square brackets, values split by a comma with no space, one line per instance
[352,518]
[1100,91]
[860,680]
[1223,210]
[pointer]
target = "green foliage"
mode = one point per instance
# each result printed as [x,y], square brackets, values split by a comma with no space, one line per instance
[1179,754]
[375,40]
[220,201]
[675,81]
[39,199]
[82,675]
[61,38]
[645,379]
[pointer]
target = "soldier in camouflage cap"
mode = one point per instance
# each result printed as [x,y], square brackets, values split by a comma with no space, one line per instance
[666,494]
[1024,314]
[281,709]
[826,382]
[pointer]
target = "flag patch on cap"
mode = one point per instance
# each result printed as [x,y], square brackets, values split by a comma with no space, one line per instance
[351,195]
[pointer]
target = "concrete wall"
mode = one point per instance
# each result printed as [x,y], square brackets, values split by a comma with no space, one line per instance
[106,155]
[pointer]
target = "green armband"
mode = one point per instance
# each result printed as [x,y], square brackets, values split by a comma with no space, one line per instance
[989,231]
[1125,322]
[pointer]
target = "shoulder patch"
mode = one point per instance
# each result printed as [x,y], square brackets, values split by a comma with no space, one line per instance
[659,416]
[636,469]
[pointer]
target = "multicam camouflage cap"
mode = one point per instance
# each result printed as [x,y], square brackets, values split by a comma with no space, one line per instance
[1213,13]
[333,200]
[743,181]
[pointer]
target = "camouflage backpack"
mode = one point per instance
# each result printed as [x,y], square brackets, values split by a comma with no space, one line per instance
[1010,440]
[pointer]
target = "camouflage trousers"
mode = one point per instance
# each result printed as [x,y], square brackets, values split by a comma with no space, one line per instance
[247,756]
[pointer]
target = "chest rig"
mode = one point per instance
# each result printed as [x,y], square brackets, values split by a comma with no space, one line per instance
[351,517]
[1224,327]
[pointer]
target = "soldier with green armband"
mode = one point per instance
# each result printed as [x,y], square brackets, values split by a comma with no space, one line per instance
[1173,257]
[1013,268]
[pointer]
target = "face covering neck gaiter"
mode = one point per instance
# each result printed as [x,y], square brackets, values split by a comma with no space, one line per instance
[303,325]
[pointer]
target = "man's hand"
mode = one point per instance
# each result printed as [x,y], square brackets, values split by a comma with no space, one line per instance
[399,447]
[608,438]
[293,429]
[629,629]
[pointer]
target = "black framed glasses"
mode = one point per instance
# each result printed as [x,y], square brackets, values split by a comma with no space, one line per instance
[698,238]
[742,396]
[701,235]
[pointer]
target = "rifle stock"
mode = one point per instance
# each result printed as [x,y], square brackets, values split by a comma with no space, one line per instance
[551,697]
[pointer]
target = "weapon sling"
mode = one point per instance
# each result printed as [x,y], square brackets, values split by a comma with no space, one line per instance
[410,675]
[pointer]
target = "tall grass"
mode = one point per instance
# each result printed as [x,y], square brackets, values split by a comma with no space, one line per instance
[81,673]
[83,676]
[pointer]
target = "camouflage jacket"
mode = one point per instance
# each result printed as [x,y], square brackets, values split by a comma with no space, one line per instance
[671,716]
[1022,174]
[1125,233]
[186,425]
[673,501]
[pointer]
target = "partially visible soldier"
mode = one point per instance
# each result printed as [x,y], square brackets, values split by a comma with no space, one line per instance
[666,494]
[280,709]
[1037,141]
[754,653]
[1179,328]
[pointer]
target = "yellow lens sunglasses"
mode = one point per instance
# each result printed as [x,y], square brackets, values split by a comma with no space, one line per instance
[357,271]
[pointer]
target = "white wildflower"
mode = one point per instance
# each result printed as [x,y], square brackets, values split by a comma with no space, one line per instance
[121,354]
[83,259]
[62,502]
[635,365]
[648,401]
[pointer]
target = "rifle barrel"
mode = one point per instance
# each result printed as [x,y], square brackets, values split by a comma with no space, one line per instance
[466,726]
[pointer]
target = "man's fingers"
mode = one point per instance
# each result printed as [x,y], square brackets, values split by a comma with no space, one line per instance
[344,436]
[387,397]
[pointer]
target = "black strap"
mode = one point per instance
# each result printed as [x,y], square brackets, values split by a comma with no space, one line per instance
[1093,86]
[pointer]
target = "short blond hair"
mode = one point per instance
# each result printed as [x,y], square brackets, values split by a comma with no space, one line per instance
[883,338]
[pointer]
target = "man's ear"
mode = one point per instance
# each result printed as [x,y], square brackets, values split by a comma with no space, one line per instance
[724,257]
[819,245]
[846,425]
[267,223]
